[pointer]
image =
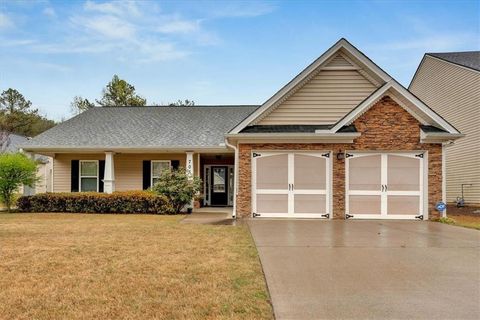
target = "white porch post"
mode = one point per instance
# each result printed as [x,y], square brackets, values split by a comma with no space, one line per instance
[109,175]
[189,169]
[189,165]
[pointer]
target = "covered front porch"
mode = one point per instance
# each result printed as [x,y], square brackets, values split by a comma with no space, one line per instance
[124,170]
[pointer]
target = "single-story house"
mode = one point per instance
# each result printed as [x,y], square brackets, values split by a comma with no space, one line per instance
[342,139]
[449,82]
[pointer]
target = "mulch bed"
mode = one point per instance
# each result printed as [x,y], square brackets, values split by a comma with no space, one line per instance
[453,210]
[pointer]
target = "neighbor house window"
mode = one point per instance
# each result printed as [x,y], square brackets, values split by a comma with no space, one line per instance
[157,168]
[89,175]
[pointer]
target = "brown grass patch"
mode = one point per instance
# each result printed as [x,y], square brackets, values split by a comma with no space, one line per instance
[84,266]
[468,221]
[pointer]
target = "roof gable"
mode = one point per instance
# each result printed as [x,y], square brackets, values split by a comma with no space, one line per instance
[323,99]
[405,99]
[350,58]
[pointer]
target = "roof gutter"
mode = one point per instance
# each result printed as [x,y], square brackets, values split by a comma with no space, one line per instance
[235,176]
[125,149]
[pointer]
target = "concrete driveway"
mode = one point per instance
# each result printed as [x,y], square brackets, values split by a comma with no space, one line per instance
[369,269]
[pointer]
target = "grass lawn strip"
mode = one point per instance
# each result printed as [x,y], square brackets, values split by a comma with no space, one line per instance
[75,266]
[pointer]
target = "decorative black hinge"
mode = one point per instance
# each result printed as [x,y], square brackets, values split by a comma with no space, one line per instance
[420,155]
[256,154]
[420,217]
[348,216]
[256,215]
[348,155]
[326,215]
[326,155]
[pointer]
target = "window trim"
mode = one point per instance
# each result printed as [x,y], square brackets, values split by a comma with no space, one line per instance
[151,168]
[80,176]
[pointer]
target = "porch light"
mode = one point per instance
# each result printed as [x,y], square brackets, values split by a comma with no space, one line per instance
[340,155]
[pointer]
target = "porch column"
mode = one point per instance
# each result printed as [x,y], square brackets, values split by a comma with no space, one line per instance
[109,175]
[189,164]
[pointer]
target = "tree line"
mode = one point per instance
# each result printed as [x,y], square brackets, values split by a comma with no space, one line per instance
[119,93]
[19,116]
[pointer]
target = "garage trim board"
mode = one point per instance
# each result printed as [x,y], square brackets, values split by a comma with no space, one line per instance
[291,184]
[386,185]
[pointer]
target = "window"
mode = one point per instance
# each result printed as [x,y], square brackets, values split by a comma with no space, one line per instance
[157,167]
[88,175]
[219,180]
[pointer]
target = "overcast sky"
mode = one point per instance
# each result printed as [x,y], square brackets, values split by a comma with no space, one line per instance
[211,52]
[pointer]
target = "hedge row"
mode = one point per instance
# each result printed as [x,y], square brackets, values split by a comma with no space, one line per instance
[90,202]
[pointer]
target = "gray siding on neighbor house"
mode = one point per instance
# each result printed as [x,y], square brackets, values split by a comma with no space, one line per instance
[454,92]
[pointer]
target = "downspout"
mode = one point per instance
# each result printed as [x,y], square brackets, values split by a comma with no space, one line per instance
[445,145]
[235,177]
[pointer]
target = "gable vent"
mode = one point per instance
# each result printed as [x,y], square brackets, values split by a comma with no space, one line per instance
[339,61]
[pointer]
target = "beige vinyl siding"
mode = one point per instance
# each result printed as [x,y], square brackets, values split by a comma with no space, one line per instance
[128,168]
[325,99]
[454,92]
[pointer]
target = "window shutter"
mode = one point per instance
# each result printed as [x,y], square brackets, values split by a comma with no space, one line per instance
[101,174]
[75,176]
[147,170]
[175,164]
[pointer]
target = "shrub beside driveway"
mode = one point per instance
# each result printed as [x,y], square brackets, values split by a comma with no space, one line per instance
[58,266]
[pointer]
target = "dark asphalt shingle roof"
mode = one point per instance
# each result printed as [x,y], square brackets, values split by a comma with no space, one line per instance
[13,142]
[198,126]
[469,59]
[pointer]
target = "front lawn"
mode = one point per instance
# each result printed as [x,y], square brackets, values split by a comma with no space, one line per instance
[71,266]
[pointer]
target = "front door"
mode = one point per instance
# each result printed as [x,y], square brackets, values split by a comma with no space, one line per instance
[219,186]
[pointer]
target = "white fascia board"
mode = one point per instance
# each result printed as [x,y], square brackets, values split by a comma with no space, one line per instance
[439,137]
[96,149]
[342,43]
[433,117]
[424,108]
[361,107]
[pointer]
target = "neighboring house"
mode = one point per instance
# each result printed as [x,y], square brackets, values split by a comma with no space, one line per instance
[44,171]
[340,140]
[450,84]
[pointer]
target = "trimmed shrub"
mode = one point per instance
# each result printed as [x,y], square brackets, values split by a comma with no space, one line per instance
[177,187]
[92,202]
[15,169]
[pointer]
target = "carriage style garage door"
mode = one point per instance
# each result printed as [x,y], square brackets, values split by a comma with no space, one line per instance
[291,184]
[384,186]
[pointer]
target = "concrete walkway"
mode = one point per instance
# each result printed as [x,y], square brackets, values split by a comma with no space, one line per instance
[210,215]
[369,269]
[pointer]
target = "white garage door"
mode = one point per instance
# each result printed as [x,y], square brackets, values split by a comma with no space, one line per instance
[384,186]
[291,184]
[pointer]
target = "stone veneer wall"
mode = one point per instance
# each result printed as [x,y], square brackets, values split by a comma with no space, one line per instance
[385,127]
